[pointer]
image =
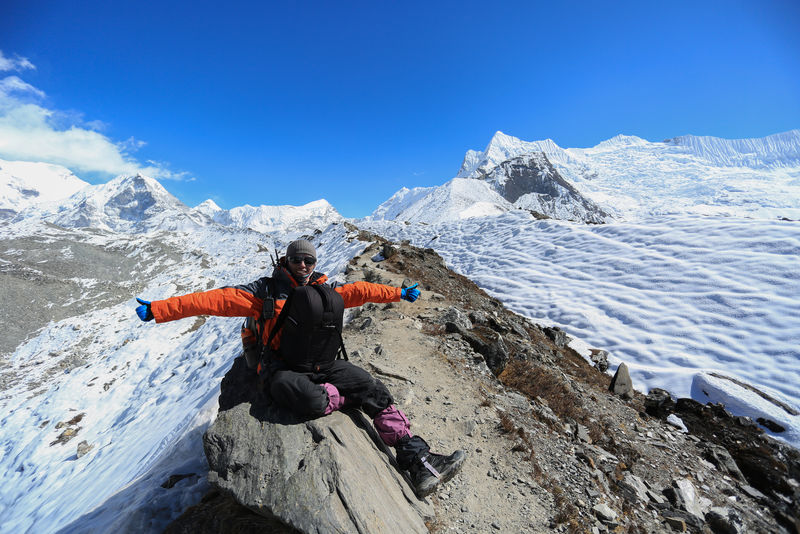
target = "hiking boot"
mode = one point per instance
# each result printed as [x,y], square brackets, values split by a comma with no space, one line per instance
[431,469]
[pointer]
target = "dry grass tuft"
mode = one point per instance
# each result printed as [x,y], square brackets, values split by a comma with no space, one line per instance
[538,381]
[433,329]
[506,423]
[567,513]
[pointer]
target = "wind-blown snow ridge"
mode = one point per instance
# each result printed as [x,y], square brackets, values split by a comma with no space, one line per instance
[779,150]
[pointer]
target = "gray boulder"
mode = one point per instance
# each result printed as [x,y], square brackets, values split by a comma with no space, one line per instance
[600,359]
[557,336]
[633,489]
[722,459]
[659,403]
[622,385]
[456,320]
[724,520]
[494,351]
[331,474]
[683,496]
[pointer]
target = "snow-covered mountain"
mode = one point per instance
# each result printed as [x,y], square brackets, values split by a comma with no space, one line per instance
[631,178]
[139,203]
[504,147]
[463,198]
[267,219]
[126,204]
[24,184]
[531,182]
[457,199]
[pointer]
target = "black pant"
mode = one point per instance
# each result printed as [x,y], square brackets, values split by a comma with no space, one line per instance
[301,392]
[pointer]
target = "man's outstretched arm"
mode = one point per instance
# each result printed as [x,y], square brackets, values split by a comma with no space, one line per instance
[359,293]
[226,302]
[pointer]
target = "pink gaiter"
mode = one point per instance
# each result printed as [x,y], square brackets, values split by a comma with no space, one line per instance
[335,400]
[392,424]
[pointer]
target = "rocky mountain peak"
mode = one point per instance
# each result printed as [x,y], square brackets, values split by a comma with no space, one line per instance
[501,148]
[530,181]
[126,203]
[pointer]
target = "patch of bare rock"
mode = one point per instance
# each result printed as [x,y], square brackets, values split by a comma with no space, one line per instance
[552,445]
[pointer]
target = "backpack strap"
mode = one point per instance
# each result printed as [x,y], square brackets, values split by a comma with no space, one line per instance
[279,321]
[268,308]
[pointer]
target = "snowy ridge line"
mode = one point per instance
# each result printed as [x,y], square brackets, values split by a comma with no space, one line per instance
[272,219]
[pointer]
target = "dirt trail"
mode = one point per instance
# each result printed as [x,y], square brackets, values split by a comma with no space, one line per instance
[452,403]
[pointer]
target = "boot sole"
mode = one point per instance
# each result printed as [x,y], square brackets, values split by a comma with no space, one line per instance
[427,489]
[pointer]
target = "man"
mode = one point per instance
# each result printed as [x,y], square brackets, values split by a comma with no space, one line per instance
[300,366]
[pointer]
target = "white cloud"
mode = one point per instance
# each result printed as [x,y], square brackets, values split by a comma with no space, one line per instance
[31,132]
[14,85]
[18,63]
[131,144]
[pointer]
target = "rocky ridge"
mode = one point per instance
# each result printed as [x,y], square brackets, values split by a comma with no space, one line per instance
[531,182]
[549,447]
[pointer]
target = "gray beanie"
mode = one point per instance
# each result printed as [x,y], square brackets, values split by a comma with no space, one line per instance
[301,246]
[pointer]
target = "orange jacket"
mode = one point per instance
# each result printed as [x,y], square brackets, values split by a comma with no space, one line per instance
[248,300]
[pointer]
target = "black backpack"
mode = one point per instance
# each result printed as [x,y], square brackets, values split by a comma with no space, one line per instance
[311,320]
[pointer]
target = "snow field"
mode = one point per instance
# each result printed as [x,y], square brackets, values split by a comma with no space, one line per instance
[673,297]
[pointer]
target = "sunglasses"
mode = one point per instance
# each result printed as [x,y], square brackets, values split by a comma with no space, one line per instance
[308,260]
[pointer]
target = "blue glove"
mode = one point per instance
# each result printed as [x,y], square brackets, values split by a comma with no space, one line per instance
[410,293]
[143,311]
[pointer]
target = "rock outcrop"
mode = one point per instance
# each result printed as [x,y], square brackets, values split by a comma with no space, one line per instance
[531,182]
[331,474]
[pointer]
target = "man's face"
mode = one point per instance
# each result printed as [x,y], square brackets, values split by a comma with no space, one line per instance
[301,270]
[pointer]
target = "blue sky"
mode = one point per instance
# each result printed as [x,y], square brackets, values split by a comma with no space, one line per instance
[285,103]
